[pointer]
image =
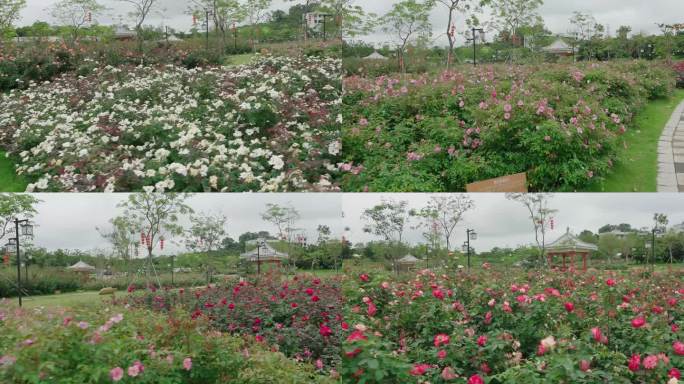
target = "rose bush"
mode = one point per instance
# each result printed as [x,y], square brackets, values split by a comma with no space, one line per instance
[117,344]
[301,317]
[561,124]
[268,126]
[531,327]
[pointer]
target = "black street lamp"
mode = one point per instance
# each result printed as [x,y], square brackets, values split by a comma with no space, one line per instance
[21,228]
[207,13]
[470,234]
[476,33]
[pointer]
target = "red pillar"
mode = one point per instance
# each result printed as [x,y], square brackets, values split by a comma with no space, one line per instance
[564,261]
[584,261]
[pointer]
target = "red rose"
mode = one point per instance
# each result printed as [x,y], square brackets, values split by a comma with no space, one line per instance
[638,322]
[584,365]
[364,277]
[569,306]
[482,340]
[419,369]
[441,339]
[475,379]
[634,362]
[610,282]
[678,348]
[596,333]
[324,330]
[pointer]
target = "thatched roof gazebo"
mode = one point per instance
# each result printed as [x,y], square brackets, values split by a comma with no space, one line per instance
[407,263]
[375,56]
[264,254]
[569,247]
[81,267]
[559,47]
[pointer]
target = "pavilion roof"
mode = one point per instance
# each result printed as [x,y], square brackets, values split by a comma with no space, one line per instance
[570,242]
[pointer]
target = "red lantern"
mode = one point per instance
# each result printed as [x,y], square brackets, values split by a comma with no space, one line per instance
[90,17]
[452,30]
[161,243]
[142,237]
[194,20]
[552,223]
[6,259]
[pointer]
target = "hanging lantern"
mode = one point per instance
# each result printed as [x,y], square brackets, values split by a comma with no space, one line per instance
[551,223]
[194,20]
[142,237]
[6,259]
[452,30]
[161,243]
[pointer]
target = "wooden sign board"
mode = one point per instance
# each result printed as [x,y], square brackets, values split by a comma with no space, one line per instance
[509,183]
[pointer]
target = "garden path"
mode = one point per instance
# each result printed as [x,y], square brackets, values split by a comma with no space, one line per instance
[671,154]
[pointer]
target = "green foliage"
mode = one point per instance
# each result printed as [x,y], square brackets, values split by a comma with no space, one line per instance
[560,124]
[69,347]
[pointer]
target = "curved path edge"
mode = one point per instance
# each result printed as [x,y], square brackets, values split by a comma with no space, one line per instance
[671,153]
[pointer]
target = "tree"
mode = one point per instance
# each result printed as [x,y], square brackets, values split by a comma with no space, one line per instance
[256,12]
[611,245]
[538,207]
[222,12]
[584,25]
[206,232]
[453,7]
[155,216]
[446,211]
[282,217]
[121,236]
[351,19]
[141,9]
[9,13]
[408,21]
[511,15]
[323,233]
[387,220]
[13,205]
[75,13]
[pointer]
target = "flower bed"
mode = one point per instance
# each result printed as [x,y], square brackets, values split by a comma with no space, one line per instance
[496,327]
[267,126]
[561,124]
[302,317]
[115,344]
[679,68]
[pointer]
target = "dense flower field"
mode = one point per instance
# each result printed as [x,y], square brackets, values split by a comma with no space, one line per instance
[272,125]
[562,124]
[536,327]
[301,317]
[119,344]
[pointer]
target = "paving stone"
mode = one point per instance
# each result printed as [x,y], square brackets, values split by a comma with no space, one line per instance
[679,168]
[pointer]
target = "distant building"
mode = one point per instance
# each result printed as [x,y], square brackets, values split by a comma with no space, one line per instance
[678,228]
[617,233]
[407,263]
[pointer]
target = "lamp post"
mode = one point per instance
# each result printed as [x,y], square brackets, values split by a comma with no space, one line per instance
[470,234]
[325,16]
[27,231]
[172,268]
[476,32]
[207,13]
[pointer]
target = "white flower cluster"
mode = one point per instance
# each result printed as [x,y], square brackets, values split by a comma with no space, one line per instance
[267,126]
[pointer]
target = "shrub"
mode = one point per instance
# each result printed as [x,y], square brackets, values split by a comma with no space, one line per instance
[302,316]
[514,326]
[561,124]
[87,345]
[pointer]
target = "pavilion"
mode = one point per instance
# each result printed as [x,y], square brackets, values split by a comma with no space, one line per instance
[569,248]
[375,56]
[264,254]
[560,48]
[407,263]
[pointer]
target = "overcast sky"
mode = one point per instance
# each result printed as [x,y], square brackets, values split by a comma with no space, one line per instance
[68,221]
[641,15]
[172,13]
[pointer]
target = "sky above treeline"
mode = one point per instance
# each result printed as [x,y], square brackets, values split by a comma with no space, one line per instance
[69,221]
[641,15]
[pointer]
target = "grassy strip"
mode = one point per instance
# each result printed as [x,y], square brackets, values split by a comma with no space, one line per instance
[9,180]
[637,167]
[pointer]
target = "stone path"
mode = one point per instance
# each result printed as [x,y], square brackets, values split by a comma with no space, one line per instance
[671,154]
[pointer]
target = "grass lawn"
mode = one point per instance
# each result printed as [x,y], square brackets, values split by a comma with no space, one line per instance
[239,59]
[9,181]
[637,166]
[64,299]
